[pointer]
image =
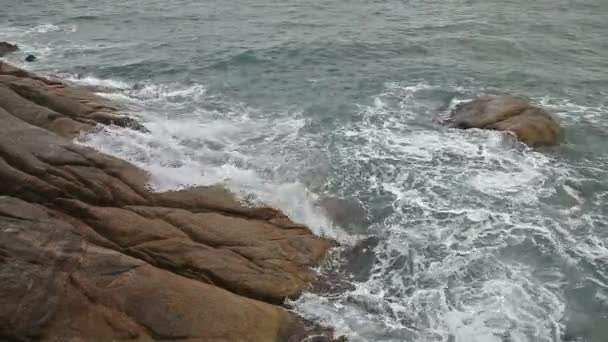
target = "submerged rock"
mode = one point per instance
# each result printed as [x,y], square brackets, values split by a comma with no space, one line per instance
[532,125]
[88,253]
[348,213]
[30,58]
[6,48]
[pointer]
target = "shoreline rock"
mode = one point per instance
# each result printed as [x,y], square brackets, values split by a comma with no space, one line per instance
[87,252]
[532,125]
[6,48]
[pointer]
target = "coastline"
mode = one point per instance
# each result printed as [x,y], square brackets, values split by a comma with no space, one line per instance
[91,253]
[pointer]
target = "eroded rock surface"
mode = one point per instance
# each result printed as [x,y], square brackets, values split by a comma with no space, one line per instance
[87,252]
[532,125]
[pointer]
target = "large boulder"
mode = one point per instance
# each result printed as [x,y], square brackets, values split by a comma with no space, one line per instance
[88,253]
[531,124]
[6,48]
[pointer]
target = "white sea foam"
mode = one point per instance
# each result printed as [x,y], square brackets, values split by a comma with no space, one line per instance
[13,32]
[238,147]
[482,236]
[465,206]
[97,83]
[571,111]
[45,28]
[144,96]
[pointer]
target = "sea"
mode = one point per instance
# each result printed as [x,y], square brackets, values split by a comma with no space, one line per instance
[325,109]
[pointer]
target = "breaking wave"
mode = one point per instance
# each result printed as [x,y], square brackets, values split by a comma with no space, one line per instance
[196,139]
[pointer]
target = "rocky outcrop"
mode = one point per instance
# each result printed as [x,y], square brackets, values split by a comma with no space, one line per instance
[88,253]
[532,125]
[6,48]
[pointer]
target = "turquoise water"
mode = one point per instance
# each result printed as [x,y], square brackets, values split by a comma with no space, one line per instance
[324,109]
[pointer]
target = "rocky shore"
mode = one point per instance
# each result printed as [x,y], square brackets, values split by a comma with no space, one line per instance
[87,252]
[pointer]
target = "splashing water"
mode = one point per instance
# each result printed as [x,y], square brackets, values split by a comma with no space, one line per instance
[225,143]
[476,246]
[325,111]
[476,232]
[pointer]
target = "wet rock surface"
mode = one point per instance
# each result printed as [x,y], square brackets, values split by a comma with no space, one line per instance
[87,252]
[531,124]
[6,48]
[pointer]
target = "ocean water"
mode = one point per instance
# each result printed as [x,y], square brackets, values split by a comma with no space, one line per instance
[324,109]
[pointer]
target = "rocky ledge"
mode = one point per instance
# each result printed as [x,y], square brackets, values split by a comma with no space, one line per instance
[88,253]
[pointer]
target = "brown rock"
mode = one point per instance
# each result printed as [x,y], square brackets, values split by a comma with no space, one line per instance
[56,106]
[87,253]
[6,48]
[532,125]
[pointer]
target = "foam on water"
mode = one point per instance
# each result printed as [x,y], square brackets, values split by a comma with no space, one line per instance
[470,251]
[98,84]
[472,237]
[575,112]
[143,94]
[44,28]
[13,31]
[23,32]
[473,248]
[31,40]
[232,145]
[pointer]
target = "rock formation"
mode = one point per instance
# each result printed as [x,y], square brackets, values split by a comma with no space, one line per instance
[88,253]
[6,48]
[532,125]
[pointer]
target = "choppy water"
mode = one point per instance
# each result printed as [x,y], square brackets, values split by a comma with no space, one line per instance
[323,108]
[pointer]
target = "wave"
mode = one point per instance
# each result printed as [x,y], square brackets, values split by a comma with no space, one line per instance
[13,32]
[141,93]
[97,83]
[44,28]
[82,17]
[232,144]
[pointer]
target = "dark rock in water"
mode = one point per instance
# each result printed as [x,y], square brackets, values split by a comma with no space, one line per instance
[6,48]
[532,125]
[119,120]
[314,332]
[345,265]
[348,213]
[360,259]
[30,58]
[87,253]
